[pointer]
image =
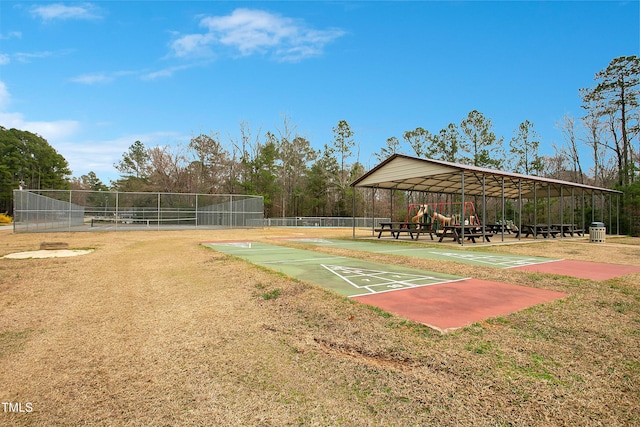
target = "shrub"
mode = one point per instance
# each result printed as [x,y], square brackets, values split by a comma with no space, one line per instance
[5,219]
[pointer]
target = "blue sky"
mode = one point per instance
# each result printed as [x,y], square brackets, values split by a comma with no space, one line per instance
[93,77]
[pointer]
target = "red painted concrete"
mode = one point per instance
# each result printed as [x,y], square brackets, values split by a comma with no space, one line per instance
[582,269]
[457,304]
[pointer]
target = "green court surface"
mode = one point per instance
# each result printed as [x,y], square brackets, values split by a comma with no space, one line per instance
[344,275]
[464,256]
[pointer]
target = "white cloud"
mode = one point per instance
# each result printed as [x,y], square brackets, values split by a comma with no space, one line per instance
[99,78]
[85,11]
[27,57]
[87,155]
[11,35]
[100,156]
[89,79]
[193,45]
[166,72]
[96,156]
[5,97]
[51,131]
[250,31]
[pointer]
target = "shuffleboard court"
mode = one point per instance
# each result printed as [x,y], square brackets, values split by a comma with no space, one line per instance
[581,269]
[441,301]
[467,257]
[598,271]
[344,275]
[453,305]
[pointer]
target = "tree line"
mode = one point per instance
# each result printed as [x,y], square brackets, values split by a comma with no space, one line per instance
[282,166]
[28,161]
[299,180]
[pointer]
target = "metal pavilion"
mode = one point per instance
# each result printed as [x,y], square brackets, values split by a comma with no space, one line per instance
[406,173]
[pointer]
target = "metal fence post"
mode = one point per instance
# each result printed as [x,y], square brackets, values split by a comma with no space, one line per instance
[70,206]
[116,213]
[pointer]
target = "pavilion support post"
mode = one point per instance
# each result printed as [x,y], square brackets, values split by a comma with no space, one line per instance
[561,214]
[484,209]
[462,218]
[604,211]
[549,207]
[353,213]
[618,214]
[373,209]
[519,210]
[584,209]
[535,211]
[504,223]
[573,208]
[610,215]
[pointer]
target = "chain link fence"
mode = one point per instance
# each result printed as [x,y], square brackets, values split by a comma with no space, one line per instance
[80,210]
[319,221]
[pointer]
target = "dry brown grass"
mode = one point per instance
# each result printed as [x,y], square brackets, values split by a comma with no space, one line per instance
[153,329]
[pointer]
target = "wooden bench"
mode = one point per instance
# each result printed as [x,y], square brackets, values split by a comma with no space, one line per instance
[530,230]
[547,233]
[471,233]
[395,232]
[578,231]
[569,229]
[53,245]
[498,228]
[474,236]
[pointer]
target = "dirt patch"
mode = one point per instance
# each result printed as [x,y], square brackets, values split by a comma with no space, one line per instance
[48,253]
[154,329]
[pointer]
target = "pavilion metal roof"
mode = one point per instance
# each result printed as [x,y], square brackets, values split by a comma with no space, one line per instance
[408,173]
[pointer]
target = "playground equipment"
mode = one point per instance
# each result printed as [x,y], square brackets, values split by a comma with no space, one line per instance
[422,209]
[437,215]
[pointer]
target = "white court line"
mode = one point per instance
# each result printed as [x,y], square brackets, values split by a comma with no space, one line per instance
[488,259]
[383,281]
[238,249]
[541,262]
[492,259]
[230,248]
[296,260]
[412,287]
[407,283]
[311,240]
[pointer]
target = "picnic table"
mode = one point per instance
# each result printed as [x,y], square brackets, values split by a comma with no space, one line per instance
[565,229]
[498,228]
[536,230]
[471,232]
[396,228]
